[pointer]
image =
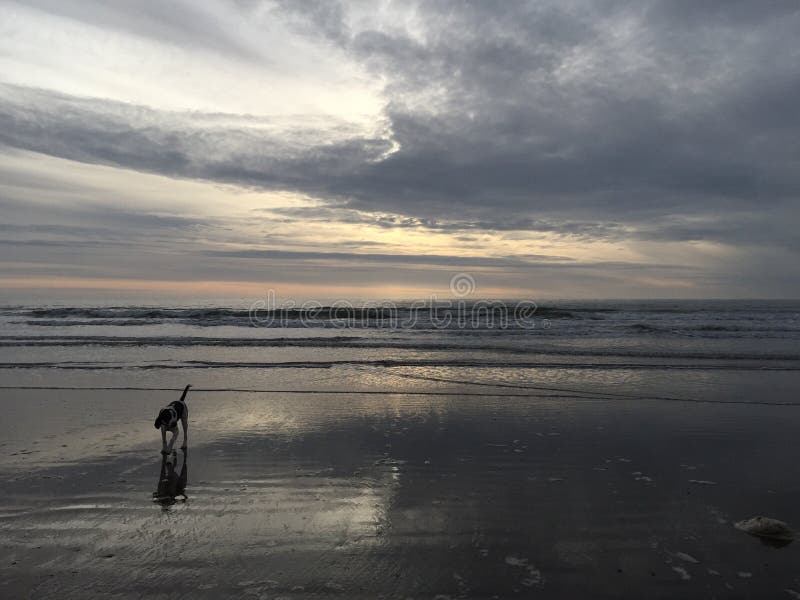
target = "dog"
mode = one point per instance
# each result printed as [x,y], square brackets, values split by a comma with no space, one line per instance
[167,420]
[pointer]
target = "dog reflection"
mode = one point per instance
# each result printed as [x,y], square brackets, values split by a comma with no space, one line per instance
[171,484]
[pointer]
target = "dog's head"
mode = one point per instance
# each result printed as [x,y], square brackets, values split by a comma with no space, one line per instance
[163,418]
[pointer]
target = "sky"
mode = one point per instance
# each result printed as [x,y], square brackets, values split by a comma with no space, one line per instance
[376,149]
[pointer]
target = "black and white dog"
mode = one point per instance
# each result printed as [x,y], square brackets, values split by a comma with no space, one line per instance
[168,418]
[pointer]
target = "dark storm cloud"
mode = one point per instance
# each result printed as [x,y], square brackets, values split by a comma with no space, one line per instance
[589,119]
[485,115]
[640,131]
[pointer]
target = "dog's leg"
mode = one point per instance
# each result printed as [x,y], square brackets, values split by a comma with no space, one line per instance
[185,424]
[163,440]
[174,433]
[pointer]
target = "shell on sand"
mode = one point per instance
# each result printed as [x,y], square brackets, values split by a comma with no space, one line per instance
[765,527]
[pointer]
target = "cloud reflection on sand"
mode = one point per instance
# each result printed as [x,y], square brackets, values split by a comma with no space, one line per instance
[315,494]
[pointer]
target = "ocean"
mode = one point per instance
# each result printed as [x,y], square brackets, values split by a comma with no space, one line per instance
[625,347]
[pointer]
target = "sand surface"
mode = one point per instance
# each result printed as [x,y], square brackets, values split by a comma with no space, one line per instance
[395,496]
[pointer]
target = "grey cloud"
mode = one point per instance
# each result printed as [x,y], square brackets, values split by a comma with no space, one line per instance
[23,216]
[351,257]
[582,230]
[130,220]
[178,145]
[289,241]
[774,229]
[72,230]
[624,139]
[323,17]
[524,262]
[90,239]
[50,243]
[537,117]
[711,14]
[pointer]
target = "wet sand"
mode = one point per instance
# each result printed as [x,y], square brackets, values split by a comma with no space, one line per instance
[395,496]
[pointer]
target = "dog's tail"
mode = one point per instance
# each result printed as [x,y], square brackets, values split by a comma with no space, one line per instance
[185,391]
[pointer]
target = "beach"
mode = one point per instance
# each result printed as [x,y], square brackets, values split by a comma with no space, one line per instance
[467,300]
[417,464]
